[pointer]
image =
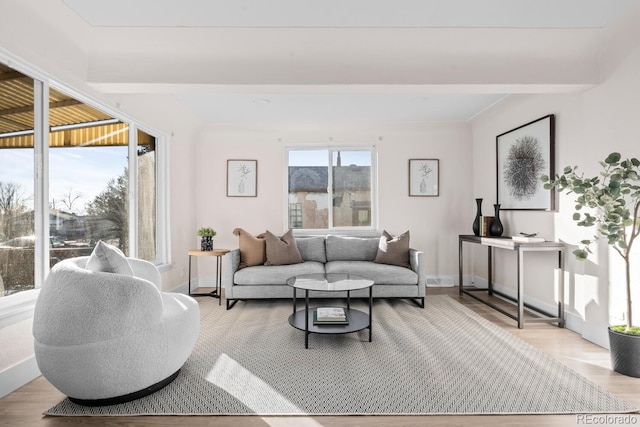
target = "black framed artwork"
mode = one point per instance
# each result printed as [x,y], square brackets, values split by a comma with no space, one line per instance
[523,155]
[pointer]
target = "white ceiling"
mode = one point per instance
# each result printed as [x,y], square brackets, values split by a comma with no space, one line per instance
[343,60]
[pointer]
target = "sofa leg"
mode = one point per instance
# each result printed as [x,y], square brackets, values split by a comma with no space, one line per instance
[419,302]
[233,302]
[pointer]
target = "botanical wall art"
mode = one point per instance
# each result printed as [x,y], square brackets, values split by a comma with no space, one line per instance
[424,175]
[242,178]
[525,154]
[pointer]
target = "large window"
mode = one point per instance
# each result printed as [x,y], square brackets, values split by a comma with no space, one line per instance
[331,187]
[64,188]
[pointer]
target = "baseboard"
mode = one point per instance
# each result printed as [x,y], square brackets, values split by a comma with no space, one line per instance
[18,375]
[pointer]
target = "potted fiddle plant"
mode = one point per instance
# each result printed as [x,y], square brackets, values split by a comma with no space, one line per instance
[611,202]
[206,238]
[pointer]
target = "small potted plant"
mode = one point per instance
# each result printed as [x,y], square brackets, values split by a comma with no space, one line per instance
[612,199]
[206,241]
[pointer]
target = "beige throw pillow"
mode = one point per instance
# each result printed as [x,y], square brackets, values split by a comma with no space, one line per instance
[282,250]
[394,250]
[252,248]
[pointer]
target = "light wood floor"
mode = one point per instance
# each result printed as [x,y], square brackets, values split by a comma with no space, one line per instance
[24,407]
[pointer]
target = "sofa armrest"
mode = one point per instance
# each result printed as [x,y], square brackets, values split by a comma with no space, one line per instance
[232,262]
[417,261]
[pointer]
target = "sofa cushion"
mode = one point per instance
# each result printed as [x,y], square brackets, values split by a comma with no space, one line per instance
[109,259]
[275,274]
[252,248]
[381,273]
[393,250]
[344,248]
[312,248]
[281,250]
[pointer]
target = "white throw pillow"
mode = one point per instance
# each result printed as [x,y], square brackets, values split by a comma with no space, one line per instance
[109,259]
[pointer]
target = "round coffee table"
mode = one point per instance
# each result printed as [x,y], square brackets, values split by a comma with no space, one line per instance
[330,282]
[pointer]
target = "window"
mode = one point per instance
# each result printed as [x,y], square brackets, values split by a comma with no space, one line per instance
[76,191]
[331,188]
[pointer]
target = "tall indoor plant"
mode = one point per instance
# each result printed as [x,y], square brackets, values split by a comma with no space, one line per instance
[612,199]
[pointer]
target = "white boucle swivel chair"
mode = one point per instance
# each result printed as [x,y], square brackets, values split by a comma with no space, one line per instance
[104,338]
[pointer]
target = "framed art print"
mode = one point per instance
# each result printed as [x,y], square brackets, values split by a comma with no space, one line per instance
[524,154]
[242,178]
[424,175]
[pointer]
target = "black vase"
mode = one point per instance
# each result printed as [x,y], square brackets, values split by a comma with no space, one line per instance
[496,229]
[206,243]
[476,222]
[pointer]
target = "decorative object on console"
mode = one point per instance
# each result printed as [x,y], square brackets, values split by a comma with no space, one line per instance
[252,248]
[206,238]
[528,239]
[525,154]
[476,222]
[424,175]
[485,224]
[496,228]
[242,178]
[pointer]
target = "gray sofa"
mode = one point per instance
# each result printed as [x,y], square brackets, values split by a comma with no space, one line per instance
[327,254]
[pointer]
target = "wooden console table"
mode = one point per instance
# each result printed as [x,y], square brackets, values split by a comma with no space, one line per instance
[520,249]
[218,253]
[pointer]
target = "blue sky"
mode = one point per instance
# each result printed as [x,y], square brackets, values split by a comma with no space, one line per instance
[83,170]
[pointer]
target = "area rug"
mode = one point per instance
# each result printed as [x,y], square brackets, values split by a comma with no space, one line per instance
[443,359]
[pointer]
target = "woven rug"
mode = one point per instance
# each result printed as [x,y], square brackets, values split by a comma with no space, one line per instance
[443,359]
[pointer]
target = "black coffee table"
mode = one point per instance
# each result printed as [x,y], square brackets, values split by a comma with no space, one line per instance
[330,282]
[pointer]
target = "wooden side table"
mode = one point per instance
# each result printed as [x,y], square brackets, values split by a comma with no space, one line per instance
[218,253]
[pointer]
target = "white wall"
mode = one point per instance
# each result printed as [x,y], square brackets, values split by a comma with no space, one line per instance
[434,222]
[588,127]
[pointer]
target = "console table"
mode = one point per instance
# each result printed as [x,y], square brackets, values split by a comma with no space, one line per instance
[218,253]
[506,243]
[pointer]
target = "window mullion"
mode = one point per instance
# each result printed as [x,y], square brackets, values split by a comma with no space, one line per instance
[132,191]
[330,188]
[41,181]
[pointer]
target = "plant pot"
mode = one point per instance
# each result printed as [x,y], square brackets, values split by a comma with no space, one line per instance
[625,353]
[206,243]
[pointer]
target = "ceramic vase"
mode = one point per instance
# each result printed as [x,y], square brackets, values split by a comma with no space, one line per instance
[476,222]
[496,228]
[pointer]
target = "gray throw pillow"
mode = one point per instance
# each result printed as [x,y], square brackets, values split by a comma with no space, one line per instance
[281,250]
[394,250]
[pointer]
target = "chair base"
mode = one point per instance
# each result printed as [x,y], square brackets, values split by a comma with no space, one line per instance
[127,397]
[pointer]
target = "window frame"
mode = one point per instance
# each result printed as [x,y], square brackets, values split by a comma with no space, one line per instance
[19,306]
[365,230]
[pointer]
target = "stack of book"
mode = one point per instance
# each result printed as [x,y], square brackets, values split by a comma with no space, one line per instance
[528,239]
[485,223]
[330,316]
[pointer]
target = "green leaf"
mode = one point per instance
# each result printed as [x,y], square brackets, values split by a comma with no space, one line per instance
[613,158]
[576,216]
[635,162]
[580,254]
